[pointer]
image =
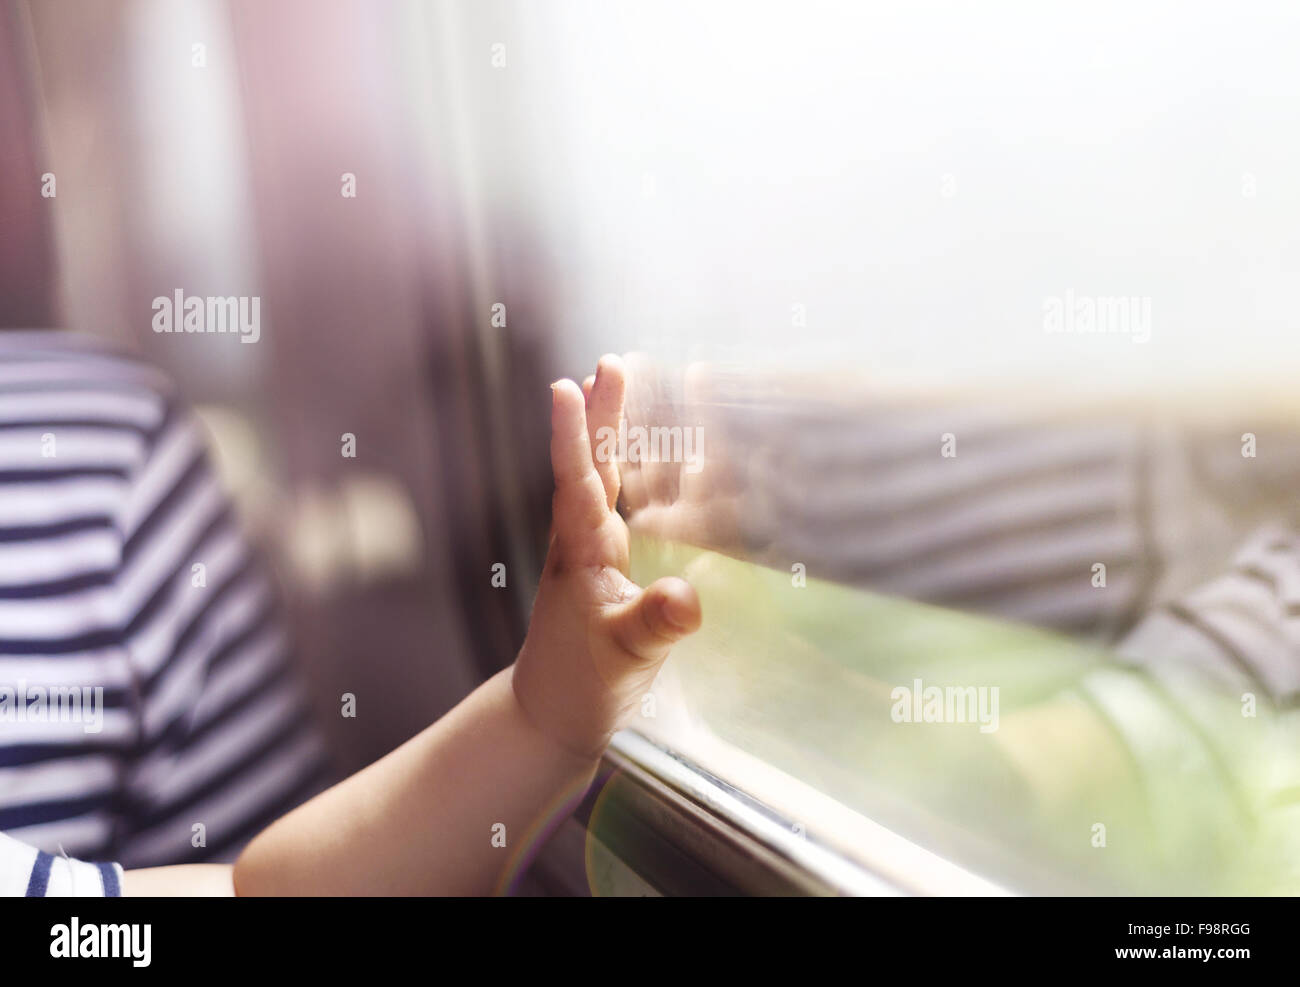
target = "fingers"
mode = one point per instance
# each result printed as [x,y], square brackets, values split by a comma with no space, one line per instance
[604,410]
[638,370]
[650,404]
[649,625]
[579,492]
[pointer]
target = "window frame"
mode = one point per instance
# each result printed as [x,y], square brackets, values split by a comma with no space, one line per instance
[679,830]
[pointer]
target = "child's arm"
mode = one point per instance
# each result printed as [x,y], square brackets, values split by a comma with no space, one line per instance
[522,748]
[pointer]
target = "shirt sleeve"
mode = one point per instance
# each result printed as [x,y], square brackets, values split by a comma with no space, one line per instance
[226,743]
[28,872]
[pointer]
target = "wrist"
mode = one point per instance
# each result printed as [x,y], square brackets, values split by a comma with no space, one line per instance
[582,752]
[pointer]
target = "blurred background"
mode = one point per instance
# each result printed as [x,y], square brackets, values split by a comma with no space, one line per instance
[204,146]
[832,232]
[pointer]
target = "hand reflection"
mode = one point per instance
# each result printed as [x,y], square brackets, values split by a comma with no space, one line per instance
[680,475]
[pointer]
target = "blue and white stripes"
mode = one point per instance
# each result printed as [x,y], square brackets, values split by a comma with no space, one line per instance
[107,503]
[26,871]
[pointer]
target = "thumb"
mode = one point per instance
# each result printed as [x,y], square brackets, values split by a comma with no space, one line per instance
[665,612]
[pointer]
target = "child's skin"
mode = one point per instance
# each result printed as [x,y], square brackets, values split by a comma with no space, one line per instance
[519,748]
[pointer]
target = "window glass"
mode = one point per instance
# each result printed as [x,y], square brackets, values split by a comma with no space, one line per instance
[965,332]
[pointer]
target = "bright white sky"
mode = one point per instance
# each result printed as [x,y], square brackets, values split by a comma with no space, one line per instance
[698,168]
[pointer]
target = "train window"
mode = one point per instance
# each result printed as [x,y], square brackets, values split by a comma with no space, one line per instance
[957,620]
[978,320]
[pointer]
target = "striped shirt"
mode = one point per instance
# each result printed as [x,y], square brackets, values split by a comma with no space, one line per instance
[148,710]
[31,873]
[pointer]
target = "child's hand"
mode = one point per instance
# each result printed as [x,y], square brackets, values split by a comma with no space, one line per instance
[596,640]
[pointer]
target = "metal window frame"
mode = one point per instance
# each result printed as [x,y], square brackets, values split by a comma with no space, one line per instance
[673,829]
